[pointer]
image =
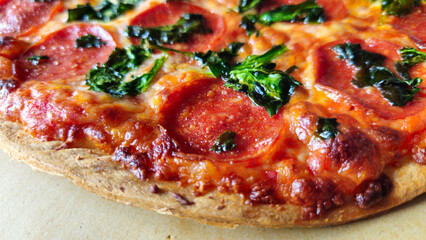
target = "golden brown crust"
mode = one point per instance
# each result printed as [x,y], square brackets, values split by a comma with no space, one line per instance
[96,173]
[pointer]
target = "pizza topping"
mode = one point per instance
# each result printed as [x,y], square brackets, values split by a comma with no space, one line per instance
[255,76]
[110,76]
[327,128]
[179,32]
[410,58]
[306,12]
[20,17]
[197,113]
[89,41]
[371,73]
[399,7]
[246,5]
[413,25]
[189,27]
[225,142]
[65,59]
[7,86]
[373,191]
[36,60]
[106,11]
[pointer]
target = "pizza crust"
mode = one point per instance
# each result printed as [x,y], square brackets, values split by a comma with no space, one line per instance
[96,172]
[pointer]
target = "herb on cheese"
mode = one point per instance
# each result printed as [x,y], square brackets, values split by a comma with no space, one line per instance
[89,41]
[327,128]
[246,5]
[306,12]
[110,76]
[256,76]
[105,11]
[399,7]
[224,143]
[36,60]
[371,72]
[179,32]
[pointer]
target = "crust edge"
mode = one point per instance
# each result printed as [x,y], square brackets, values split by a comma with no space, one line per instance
[96,173]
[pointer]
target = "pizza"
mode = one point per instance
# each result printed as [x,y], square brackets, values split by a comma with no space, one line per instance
[254,112]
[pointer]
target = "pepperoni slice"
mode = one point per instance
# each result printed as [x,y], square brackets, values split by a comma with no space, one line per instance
[414,25]
[338,74]
[18,17]
[65,60]
[198,112]
[334,9]
[169,13]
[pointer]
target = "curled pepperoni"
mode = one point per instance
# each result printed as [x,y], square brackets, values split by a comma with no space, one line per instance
[334,9]
[198,112]
[414,25]
[64,59]
[18,17]
[337,74]
[169,13]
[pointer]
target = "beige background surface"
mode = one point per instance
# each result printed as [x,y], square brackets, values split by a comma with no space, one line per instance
[34,205]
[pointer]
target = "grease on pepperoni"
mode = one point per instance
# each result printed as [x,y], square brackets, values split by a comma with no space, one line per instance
[337,74]
[18,17]
[334,9]
[169,13]
[414,25]
[198,112]
[65,60]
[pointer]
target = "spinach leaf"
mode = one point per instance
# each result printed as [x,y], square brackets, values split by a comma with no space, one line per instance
[179,32]
[364,60]
[399,7]
[410,58]
[372,73]
[89,41]
[306,12]
[219,63]
[109,77]
[106,11]
[327,128]
[246,5]
[36,60]
[224,143]
[255,76]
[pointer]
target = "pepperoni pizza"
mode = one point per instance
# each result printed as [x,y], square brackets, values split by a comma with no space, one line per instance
[256,112]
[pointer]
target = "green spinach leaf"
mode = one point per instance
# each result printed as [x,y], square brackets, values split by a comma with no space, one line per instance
[106,11]
[327,128]
[306,12]
[225,142]
[179,32]
[36,60]
[89,41]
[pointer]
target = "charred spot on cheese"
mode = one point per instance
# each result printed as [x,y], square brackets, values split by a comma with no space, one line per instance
[317,196]
[306,12]
[372,73]
[179,32]
[105,11]
[89,41]
[225,142]
[256,76]
[110,76]
[327,128]
[372,192]
[8,86]
[137,162]
[36,60]
[399,7]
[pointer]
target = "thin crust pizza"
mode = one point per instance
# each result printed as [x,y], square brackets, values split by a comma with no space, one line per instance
[257,112]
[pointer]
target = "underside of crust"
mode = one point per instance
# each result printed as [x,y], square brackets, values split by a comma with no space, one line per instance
[96,172]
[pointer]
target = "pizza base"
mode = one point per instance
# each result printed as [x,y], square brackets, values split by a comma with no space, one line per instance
[96,172]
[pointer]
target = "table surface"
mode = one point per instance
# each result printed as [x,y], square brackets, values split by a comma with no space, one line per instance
[35,205]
